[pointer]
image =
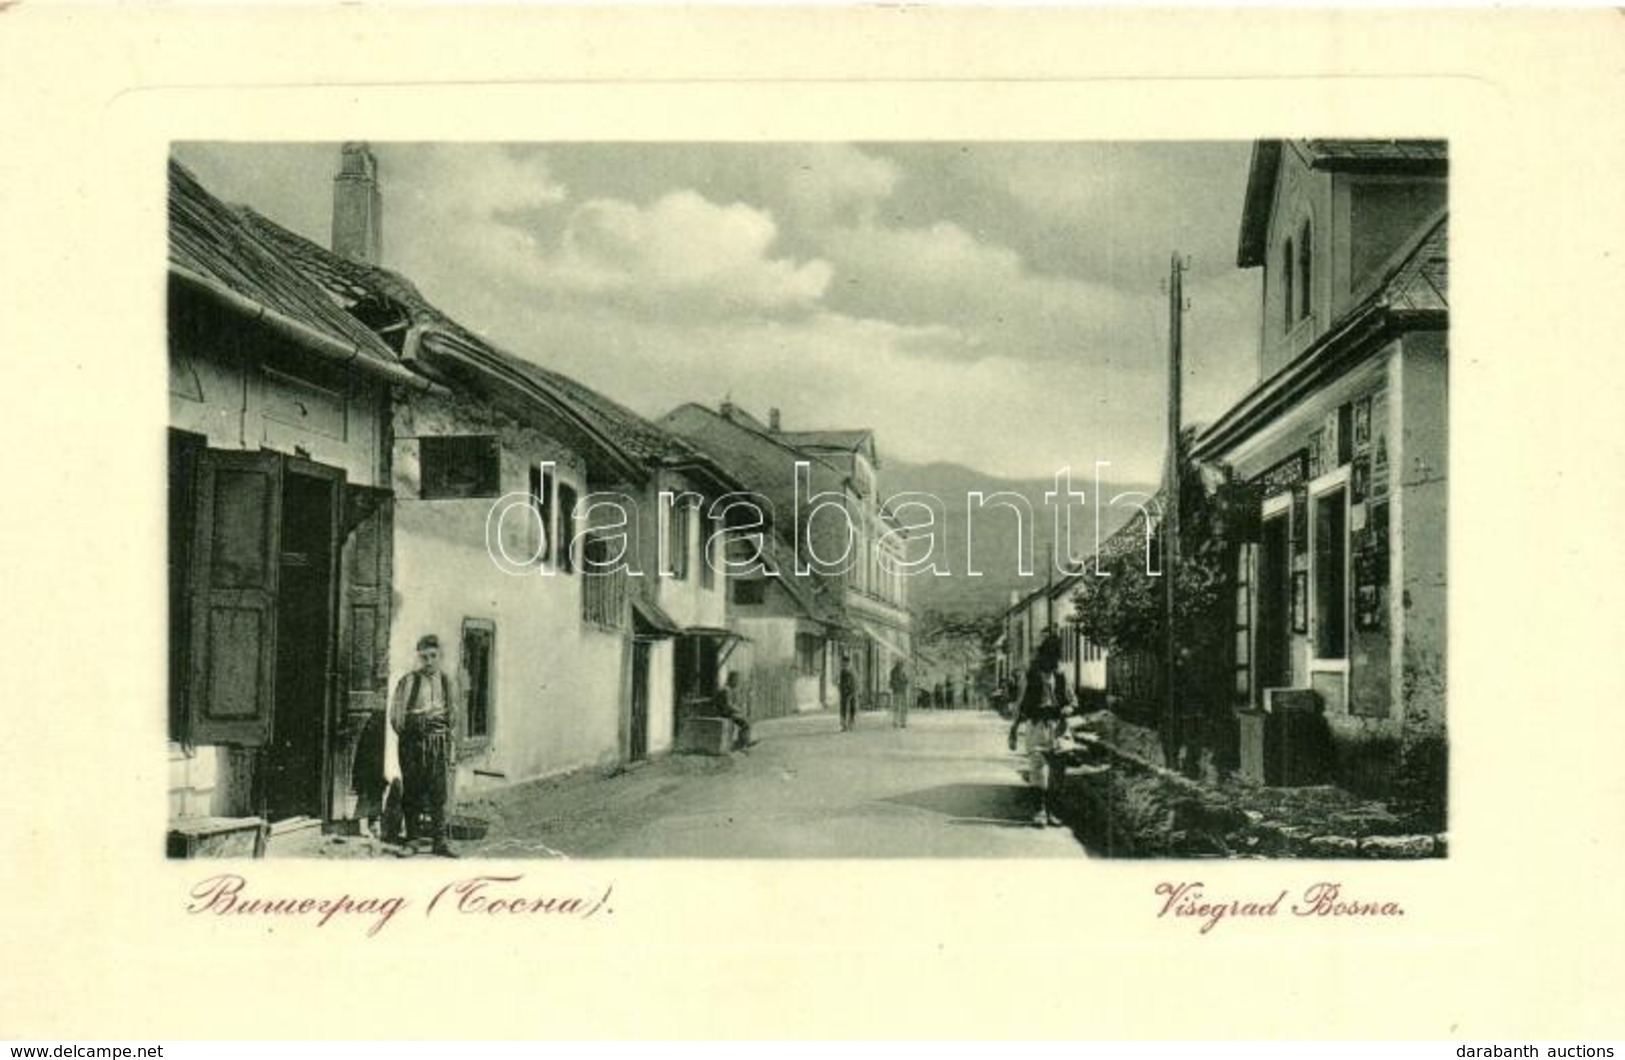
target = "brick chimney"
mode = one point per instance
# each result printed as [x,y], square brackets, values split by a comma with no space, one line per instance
[358,206]
[773,420]
[726,409]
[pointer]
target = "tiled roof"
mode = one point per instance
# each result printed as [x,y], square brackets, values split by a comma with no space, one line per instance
[1333,154]
[214,241]
[1422,157]
[1420,282]
[350,282]
[843,440]
[760,462]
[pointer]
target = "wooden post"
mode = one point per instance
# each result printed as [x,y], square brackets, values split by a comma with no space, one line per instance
[1171,722]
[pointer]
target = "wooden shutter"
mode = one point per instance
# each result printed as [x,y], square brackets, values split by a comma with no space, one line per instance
[366,564]
[364,618]
[235,559]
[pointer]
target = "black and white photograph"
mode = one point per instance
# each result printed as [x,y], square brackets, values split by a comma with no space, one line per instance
[807,500]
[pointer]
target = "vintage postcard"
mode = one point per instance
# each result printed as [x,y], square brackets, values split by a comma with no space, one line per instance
[659,512]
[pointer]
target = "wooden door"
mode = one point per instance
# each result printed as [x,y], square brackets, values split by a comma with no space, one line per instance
[1274,654]
[638,738]
[366,563]
[235,562]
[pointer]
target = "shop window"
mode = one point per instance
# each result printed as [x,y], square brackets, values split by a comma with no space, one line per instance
[478,655]
[460,466]
[1331,575]
[750,592]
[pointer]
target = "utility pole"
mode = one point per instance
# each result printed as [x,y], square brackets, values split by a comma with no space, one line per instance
[1172,737]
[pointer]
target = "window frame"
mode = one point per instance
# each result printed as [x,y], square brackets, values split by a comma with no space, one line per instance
[596,588]
[477,743]
[565,559]
[489,486]
[1289,266]
[1320,492]
[1306,270]
[757,584]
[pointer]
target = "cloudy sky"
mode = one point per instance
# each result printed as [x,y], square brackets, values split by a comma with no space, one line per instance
[993,305]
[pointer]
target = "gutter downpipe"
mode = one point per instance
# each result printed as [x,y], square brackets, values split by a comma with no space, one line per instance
[322,345]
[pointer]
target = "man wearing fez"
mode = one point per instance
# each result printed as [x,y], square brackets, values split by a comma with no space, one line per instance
[422,743]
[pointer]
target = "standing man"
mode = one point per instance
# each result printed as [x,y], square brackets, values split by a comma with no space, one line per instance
[899,695]
[422,744]
[948,691]
[849,695]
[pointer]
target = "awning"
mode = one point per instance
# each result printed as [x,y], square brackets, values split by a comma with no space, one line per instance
[648,620]
[714,632]
[893,639]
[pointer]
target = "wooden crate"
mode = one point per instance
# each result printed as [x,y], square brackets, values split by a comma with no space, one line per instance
[216,837]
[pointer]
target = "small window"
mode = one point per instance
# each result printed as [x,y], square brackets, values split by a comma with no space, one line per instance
[750,592]
[708,570]
[567,529]
[479,649]
[1306,272]
[541,498]
[460,466]
[1289,307]
[678,541]
[603,584]
[807,661]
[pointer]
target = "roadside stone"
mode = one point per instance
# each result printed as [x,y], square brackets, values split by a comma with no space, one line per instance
[1365,821]
[1333,846]
[1403,846]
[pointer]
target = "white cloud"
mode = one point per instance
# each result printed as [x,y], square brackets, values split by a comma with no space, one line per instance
[837,183]
[681,244]
[474,218]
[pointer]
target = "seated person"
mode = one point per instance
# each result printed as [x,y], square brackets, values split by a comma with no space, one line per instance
[725,705]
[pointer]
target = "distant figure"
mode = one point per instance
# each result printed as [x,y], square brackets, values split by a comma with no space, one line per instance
[948,692]
[964,694]
[849,696]
[725,704]
[936,696]
[899,695]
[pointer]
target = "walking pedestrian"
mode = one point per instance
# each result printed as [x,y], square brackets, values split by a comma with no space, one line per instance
[421,745]
[899,695]
[849,695]
[1044,697]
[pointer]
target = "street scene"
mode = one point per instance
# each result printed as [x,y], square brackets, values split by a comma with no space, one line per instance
[1026,500]
[943,789]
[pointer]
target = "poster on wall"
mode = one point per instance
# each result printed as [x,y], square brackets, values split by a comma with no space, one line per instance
[1379,445]
[1362,425]
[1360,479]
[1300,601]
[1368,607]
[1300,520]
